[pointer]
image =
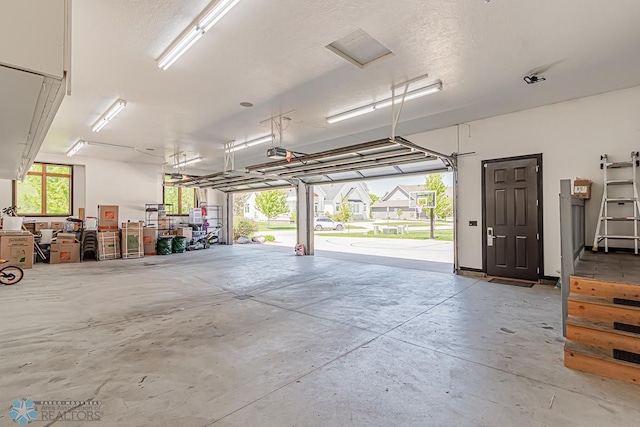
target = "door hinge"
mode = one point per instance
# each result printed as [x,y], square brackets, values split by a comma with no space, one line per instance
[537,203]
[485,165]
[537,236]
[537,169]
[538,270]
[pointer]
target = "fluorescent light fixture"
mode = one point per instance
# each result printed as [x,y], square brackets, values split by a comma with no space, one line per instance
[203,23]
[416,93]
[77,147]
[211,17]
[187,162]
[175,52]
[257,141]
[82,143]
[109,114]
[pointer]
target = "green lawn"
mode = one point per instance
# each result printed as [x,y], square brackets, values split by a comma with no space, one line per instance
[394,223]
[262,226]
[446,235]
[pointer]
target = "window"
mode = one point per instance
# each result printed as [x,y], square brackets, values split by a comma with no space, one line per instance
[46,190]
[355,208]
[182,199]
[247,208]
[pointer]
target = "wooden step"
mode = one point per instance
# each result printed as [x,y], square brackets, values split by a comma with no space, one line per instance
[602,289]
[601,335]
[603,310]
[599,362]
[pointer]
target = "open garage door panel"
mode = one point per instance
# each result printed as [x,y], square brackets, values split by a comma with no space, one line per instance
[384,158]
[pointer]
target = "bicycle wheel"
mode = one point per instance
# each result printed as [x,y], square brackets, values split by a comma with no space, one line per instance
[11,275]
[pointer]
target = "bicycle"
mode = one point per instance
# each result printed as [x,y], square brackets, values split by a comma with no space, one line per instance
[10,275]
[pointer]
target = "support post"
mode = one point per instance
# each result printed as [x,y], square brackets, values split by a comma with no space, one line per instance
[304,216]
[227,219]
[566,248]
[431,211]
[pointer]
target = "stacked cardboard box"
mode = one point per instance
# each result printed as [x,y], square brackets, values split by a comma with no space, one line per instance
[108,245]
[108,218]
[132,240]
[64,253]
[150,237]
[17,248]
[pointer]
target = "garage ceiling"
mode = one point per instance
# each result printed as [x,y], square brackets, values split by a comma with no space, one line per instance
[273,54]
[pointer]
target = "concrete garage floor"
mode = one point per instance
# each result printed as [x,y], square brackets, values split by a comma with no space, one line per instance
[166,341]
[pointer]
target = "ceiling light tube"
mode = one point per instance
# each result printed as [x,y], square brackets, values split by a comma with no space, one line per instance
[416,93]
[76,147]
[253,142]
[351,114]
[187,162]
[185,42]
[203,23]
[214,15]
[109,115]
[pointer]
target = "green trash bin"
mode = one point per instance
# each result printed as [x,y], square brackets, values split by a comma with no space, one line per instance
[179,244]
[165,245]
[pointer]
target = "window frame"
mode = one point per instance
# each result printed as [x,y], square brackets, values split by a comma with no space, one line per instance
[43,202]
[177,209]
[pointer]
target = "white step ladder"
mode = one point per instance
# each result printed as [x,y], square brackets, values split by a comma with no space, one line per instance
[604,217]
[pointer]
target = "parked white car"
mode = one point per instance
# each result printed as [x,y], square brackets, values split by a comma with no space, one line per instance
[326,224]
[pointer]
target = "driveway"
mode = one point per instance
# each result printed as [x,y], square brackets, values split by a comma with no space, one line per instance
[422,250]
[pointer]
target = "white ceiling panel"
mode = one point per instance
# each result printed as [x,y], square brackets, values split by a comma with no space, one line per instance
[273,54]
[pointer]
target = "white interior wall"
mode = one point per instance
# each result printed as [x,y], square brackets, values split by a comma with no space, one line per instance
[105,182]
[571,136]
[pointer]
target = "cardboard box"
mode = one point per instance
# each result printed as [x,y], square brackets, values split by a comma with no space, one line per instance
[57,225]
[17,248]
[582,188]
[186,232]
[66,238]
[133,225]
[150,240]
[64,253]
[108,218]
[42,226]
[108,245]
[132,240]
[30,226]
[164,223]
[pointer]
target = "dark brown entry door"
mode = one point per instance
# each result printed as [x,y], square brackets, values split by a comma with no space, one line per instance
[511,218]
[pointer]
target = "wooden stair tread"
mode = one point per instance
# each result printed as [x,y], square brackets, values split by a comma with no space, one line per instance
[600,301]
[599,362]
[598,326]
[604,288]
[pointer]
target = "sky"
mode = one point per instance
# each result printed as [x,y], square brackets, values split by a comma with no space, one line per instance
[381,186]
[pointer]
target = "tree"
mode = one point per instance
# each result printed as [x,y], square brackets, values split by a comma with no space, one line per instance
[374,199]
[272,203]
[238,205]
[399,212]
[344,213]
[444,203]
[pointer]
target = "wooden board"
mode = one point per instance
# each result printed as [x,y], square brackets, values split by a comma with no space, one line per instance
[584,359]
[598,335]
[595,309]
[603,289]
